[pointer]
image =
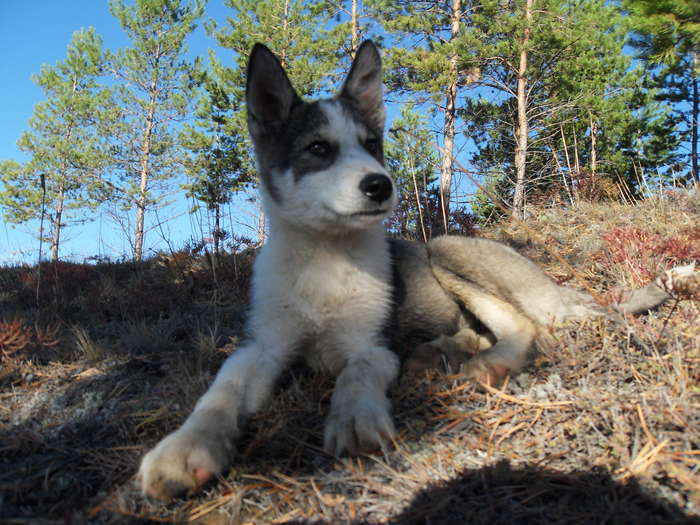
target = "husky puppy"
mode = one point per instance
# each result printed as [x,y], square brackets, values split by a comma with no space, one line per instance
[328,283]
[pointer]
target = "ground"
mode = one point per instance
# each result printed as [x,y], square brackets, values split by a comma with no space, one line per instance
[101,361]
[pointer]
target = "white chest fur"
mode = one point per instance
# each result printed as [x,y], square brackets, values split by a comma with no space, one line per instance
[329,294]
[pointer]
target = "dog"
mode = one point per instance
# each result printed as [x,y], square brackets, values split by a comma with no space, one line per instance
[330,287]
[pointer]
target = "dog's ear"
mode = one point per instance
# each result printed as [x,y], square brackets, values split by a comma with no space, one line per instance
[363,87]
[270,96]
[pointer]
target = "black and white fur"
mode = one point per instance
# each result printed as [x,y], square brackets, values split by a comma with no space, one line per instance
[321,284]
[328,281]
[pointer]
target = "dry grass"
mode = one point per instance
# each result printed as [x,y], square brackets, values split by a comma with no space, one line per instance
[603,429]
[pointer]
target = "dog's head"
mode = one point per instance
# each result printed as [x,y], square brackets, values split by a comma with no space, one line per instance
[321,163]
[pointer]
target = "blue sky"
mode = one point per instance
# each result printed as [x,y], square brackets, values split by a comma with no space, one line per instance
[35,32]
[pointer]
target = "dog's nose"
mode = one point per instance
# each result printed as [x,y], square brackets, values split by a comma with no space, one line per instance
[376,186]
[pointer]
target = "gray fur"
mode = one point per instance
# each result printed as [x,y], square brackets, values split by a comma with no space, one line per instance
[481,306]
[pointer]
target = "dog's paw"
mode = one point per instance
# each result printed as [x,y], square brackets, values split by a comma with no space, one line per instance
[484,371]
[363,426]
[444,353]
[681,281]
[181,463]
[428,356]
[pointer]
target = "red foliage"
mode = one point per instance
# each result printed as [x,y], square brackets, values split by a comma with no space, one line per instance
[14,336]
[645,253]
[17,337]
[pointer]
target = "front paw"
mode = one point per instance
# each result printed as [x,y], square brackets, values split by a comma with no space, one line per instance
[360,426]
[182,462]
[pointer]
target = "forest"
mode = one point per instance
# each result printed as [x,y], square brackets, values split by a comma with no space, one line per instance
[494,106]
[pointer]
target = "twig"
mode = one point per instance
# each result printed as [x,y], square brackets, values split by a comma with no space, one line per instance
[676,301]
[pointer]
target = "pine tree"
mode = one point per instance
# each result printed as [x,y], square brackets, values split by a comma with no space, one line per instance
[668,39]
[300,33]
[219,163]
[156,86]
[63,174]
[518,46]
[413,163]
[575,96]
[609,125]
[427,66]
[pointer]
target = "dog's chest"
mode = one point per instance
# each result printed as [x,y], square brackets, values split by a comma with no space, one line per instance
[323,288]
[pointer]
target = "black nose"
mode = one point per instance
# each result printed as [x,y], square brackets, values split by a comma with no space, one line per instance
[376,186]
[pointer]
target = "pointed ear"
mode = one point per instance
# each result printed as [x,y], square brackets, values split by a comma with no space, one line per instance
[270,96]
[363,87]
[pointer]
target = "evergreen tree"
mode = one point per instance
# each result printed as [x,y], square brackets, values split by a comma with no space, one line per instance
[300,33]
[63,174]
[668,39]
[576,98]
[606,119]
[427,66]
[218,165]
[156,85]
[413,162]
[518,46]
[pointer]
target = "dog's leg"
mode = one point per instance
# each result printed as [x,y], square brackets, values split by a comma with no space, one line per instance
[648,297]
[447,351]
[515,335]
[360,416]
[204,445]
[580,305]
[513,331]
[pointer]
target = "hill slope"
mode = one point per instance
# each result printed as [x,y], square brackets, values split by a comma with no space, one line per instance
[605,428]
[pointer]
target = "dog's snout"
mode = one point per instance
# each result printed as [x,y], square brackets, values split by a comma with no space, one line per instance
[376,186]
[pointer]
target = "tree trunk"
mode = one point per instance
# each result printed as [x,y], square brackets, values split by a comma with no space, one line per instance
[286,39]
[354,33]
[142,201]
[521,130]
[217,229]
[58,210]
[448,144]
[56,224]
[261,227]
[577,164]
[594,160]
[694,123]
[555,156]
[416,192]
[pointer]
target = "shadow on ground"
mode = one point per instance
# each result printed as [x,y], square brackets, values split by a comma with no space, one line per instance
[504,495]
[74,442]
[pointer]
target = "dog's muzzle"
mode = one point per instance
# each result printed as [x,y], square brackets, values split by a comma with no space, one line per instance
[377,187]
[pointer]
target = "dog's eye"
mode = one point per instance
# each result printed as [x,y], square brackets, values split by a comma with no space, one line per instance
[372,146]
[319,148]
